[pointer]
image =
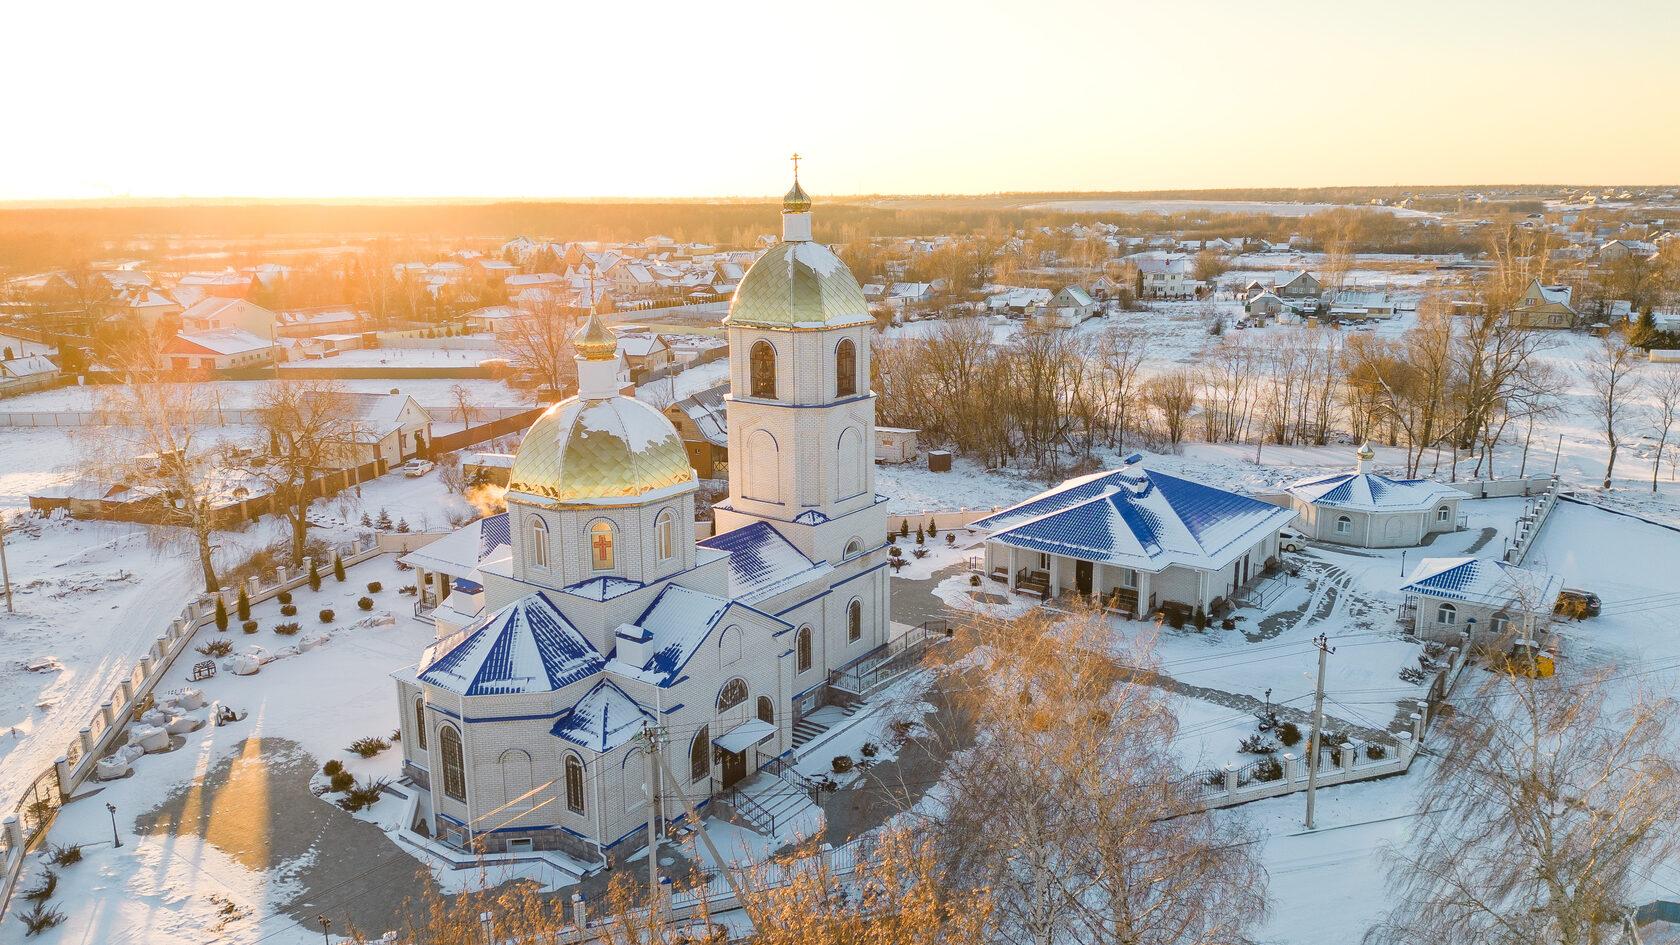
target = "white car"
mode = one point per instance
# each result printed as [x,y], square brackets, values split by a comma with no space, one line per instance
[1291,540]
[417,467]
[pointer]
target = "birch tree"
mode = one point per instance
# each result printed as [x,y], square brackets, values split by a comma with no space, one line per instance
[1612,378]
[1663,415]
[304,426]
[1554,798]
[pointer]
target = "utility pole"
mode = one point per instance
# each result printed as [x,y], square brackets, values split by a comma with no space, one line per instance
[1324,651]
[5,573]
[650,771]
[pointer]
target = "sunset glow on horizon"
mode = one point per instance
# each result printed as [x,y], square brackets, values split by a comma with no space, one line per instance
[682,100]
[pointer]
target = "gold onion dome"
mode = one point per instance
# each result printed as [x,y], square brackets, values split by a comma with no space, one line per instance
[594,341]
[799,285]
[1365,451]
[598,451]
[796,201]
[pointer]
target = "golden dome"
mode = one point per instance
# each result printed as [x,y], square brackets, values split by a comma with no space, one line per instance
[1365,451]
[796,201]
[798,285]
[594,341]
[597,451]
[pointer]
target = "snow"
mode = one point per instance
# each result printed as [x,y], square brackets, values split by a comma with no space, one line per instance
[232,838]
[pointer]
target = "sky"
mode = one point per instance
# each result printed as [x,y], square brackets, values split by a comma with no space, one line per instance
[565,98]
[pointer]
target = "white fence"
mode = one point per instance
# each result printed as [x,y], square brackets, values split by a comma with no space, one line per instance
[1530,523]
[33,815]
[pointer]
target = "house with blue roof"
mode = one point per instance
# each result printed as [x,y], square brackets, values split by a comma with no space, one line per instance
[1135,538]
[1486,598]
[589,626]
[1368,510]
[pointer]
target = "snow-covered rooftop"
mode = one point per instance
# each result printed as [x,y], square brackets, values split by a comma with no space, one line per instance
[603,719]
[1370,492]
[1136,518]
[762,563]
[1487,581]
[527,646]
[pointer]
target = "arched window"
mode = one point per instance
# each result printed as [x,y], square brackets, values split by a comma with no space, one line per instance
[854,547]
[1443,514]
[420,721]
[802,643]
[454,764]
[1499,622]
[574,783]
[733,693]
[845,368]
[700,754]
[729,646]
[762,366]
[854,621]
[536,542]
[601,546]
[1446,615]
[848,461]
[1344,525]
[764,467]
[632,781]
[665,534]
[766,710]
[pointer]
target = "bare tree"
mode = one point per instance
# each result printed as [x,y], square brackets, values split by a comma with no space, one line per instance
[1172,396]
[1663,415]
[1611,375]
[463,400]
[540,341]
[1065,811]
[1546,811]
[304,427]
[159,433]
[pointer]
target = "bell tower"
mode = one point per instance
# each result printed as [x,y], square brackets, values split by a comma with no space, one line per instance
[801,413]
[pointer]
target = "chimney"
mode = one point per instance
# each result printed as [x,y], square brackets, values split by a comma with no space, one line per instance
[635,644]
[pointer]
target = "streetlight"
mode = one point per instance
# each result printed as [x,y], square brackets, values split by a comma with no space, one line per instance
[116,840]
[326,924]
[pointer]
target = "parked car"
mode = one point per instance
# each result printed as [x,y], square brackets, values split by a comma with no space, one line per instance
[417,467]
[1291,540]
[1577,604]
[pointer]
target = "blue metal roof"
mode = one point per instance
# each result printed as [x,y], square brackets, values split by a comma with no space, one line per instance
[493,531]
[760,559]
[603,719]
[527,646]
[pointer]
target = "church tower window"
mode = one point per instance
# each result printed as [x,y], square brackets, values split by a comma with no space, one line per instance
[762,365]
[665,533]
[845,369]
[601,546]
[454,764]
[803,646]
[536,543]
[854,621]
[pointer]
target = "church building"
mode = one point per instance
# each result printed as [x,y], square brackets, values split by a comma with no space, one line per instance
[603,615]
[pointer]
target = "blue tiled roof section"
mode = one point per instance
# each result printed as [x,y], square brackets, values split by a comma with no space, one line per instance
[1454,580]
[466,586]
[812,517]
[1086,528]
[759,558]
[1054,501]
[1341,493]
[1203,508]
[602,720]
[493,531]
[527,646]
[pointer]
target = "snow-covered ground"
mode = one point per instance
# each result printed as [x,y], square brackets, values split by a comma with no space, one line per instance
[431,393]
[227,816]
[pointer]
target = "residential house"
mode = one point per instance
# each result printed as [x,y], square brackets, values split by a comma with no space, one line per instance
[1168,277]
[1301,288]
[701,422]
[387,428]
[1361,304]
[31,372]
[646,354]
[1264,305]
[216,313]
[1073,305]
[221,350]
[1543,306]
[1137,538]
[1621,249]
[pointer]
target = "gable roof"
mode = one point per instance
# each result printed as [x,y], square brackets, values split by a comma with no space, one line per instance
[527,646]
[678,621]
[1488,581]
[222,341]
[708,411]
[1136,518]
[1370,492]
[603,719]
[762,563]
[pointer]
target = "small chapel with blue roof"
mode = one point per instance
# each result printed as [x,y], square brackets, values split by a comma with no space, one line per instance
[590,612]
